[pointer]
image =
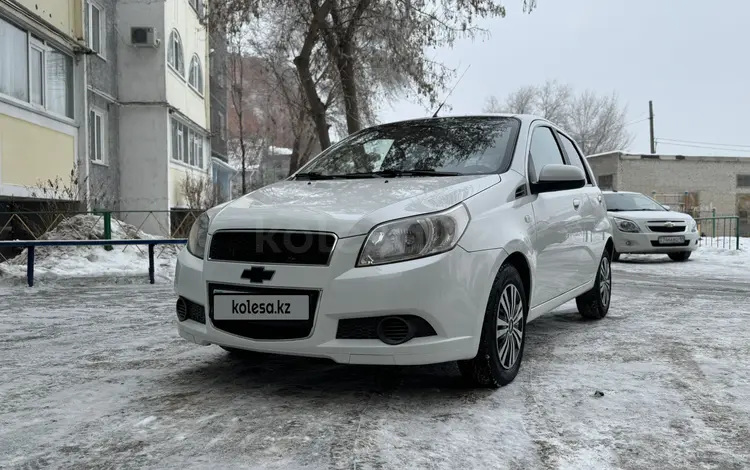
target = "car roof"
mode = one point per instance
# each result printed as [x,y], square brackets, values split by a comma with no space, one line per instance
[525,118]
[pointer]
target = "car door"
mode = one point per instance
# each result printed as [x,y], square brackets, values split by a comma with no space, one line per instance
[556,219]
[593,212]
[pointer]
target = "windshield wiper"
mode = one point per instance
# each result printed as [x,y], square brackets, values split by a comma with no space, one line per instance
[314,175]
[393,172]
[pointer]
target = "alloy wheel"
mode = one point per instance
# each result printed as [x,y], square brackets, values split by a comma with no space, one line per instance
[510,326]
[605,281]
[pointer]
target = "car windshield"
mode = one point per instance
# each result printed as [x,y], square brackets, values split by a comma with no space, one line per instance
[621,202]
[438,146]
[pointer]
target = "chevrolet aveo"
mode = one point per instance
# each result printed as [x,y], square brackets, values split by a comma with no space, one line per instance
[415,242]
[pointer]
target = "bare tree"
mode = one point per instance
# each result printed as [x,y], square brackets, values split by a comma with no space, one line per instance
[596,122]
[364,51]
[199,191]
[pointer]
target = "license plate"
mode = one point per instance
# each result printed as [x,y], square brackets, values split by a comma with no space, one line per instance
[671,240]
[261,307]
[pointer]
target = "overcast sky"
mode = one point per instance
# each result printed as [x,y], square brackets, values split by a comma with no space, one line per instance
[692,58]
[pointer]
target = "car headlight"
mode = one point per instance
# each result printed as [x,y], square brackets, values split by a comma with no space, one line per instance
[693,226]
[414,237]
[626,225]
[196,242]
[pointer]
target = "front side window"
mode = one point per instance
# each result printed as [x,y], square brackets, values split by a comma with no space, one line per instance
[195,77]
[575,158]
[461,145]
[621,202]
[543,151]
[175,56]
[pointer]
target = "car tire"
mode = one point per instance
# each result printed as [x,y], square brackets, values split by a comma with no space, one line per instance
[679,256]
[594,304]
[615,255]
[507,306]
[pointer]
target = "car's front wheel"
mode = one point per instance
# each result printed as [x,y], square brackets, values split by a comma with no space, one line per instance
[594,304]
[503,333]
[680,256]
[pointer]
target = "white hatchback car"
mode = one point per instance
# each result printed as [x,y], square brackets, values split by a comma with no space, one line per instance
[415,242]
[643,226]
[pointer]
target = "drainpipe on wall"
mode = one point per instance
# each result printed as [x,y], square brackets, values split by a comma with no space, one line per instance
[83,130]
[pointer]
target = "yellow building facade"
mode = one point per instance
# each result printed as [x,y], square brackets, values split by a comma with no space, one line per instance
[42,93]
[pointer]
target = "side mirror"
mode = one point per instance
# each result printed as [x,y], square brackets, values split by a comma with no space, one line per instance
[666,208]
[558,178]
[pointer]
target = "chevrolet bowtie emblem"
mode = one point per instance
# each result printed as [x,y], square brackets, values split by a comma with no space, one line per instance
[258,274]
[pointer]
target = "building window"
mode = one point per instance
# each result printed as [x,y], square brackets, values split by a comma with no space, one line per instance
[33,71]
[606,181]
[97,136]
[195,77]
[97,29]
[198,6]
[743,181]
[187,145]
[175,56]
[14,71]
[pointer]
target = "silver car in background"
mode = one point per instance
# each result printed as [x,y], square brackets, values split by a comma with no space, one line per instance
[643,226]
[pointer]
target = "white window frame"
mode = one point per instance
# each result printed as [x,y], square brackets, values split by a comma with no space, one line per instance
[34,43]
[102,30]
[200,86]
[37,45]
[174,35]
[103,120]
[191,146]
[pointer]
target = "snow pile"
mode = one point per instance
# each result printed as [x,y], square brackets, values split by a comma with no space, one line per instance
[92,261]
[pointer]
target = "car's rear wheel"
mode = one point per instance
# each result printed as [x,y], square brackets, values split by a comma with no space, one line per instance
[680,256]
[503,333]
[594,304]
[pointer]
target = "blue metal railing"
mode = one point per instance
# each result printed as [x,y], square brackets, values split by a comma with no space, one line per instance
[30,245]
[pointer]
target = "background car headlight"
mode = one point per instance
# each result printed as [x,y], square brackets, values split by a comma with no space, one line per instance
[196,242]
[415,237]
[693,226]
[626,225]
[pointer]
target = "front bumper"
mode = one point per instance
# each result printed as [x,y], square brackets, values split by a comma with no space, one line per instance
[449,291]
[648,242]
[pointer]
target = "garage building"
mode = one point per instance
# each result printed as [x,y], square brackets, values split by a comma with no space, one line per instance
[693,184]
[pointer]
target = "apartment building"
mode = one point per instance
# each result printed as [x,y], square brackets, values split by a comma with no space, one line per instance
[42,94]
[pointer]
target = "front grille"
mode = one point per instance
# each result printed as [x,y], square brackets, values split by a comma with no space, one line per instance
[663,229]
[367,327]
[656,243]
[265,329]
[272,247]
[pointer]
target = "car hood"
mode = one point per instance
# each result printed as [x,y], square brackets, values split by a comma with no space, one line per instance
[345,207]
[652,215]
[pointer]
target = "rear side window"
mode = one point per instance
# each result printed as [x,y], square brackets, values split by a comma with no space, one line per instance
[575,158]
[543,151]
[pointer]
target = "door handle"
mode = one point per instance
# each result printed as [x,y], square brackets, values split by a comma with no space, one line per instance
[576,203]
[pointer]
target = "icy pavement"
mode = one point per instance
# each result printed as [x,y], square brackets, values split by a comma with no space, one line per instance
[97,377]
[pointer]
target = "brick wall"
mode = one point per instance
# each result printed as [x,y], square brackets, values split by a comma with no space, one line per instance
[605,165]
[715,179]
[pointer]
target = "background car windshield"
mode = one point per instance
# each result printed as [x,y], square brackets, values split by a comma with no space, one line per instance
[467,145]
[631,202]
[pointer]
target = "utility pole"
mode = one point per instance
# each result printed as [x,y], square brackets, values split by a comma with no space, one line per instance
[651,126]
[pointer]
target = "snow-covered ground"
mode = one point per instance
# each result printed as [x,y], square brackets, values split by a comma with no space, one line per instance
[97,377]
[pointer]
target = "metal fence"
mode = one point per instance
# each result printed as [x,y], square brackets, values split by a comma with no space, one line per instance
[719,231]
[101,224]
